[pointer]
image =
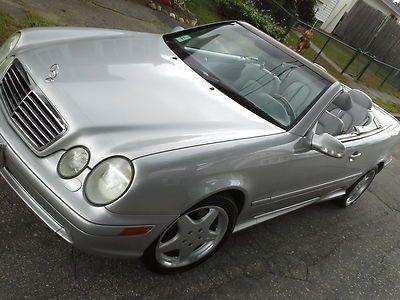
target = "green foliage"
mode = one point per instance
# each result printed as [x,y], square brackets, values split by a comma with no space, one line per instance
[283,10]
[206,11]
[290,6]
[181,3]
[305,10]
[388,106]
[243,10]
[36,21]
[9,25]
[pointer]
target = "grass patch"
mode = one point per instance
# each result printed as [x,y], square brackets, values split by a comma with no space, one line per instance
[291,40]
[388,106]
[32,20]
[9,25]
[206,11]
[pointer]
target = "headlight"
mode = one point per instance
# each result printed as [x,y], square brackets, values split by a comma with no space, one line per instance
[109,180]
[73,162]
[9,45]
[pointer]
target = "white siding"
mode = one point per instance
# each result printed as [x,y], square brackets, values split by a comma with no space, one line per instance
[326,9]
[337,13]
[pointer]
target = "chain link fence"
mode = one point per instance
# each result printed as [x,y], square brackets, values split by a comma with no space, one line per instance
[340,58]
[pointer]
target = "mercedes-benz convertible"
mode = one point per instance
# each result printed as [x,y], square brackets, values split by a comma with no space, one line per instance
[133,144]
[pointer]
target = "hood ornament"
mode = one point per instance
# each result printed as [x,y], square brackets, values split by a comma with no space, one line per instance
[54,70]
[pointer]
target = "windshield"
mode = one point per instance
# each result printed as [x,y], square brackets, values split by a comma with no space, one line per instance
[250,70]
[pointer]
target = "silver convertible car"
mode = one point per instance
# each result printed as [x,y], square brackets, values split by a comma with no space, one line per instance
[132,144]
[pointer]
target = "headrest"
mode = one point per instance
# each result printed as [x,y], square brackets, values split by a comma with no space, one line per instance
[329,123]
[361,98]
[343,101]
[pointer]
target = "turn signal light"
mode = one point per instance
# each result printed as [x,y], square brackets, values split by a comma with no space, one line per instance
[140,230]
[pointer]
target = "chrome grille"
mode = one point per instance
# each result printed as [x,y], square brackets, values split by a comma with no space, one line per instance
[32,113]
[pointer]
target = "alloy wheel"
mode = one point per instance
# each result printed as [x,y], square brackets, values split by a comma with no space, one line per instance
[192,236]
[360,187]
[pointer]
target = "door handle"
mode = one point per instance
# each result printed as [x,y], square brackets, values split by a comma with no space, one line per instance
[355,155]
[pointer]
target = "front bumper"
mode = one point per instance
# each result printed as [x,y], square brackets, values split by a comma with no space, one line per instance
[98,239]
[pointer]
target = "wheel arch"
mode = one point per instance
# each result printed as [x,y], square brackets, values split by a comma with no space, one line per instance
[380,166]
[237,195]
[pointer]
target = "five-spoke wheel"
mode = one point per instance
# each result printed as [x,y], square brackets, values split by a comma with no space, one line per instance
[193,237]
[357,189]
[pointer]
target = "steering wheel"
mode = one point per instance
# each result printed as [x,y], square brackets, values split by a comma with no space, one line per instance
[286,105]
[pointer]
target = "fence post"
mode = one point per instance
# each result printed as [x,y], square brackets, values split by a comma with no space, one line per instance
[387,77]
[322,49]
[372,58]
[351,60]
[290,25]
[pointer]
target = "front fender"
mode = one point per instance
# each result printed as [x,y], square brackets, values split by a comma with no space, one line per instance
[174,181]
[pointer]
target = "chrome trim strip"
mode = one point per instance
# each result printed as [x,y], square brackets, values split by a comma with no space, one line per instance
[10,104]
[304,190]
[260,201]
[40,108]
[315,187]
[281,211]
[33,113]
[49,110]
[388,162]
[34,124]
[353,137]
[42,113]
[20,84]
[8,91]
[42,143]
[13,84]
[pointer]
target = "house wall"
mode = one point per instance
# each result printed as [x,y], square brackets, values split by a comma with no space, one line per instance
[344,6]
[324,9]
[381,6]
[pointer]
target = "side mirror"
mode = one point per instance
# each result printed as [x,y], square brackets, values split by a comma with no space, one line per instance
[327,144]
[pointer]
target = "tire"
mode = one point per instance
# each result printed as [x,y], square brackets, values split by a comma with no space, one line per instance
[357,189]
[193,237]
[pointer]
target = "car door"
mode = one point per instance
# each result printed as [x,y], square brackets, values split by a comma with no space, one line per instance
[309,174]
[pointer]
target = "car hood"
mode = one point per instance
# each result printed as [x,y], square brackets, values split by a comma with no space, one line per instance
[127,94]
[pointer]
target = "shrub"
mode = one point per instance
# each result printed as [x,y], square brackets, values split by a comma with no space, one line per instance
[305,9]
[243,10]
